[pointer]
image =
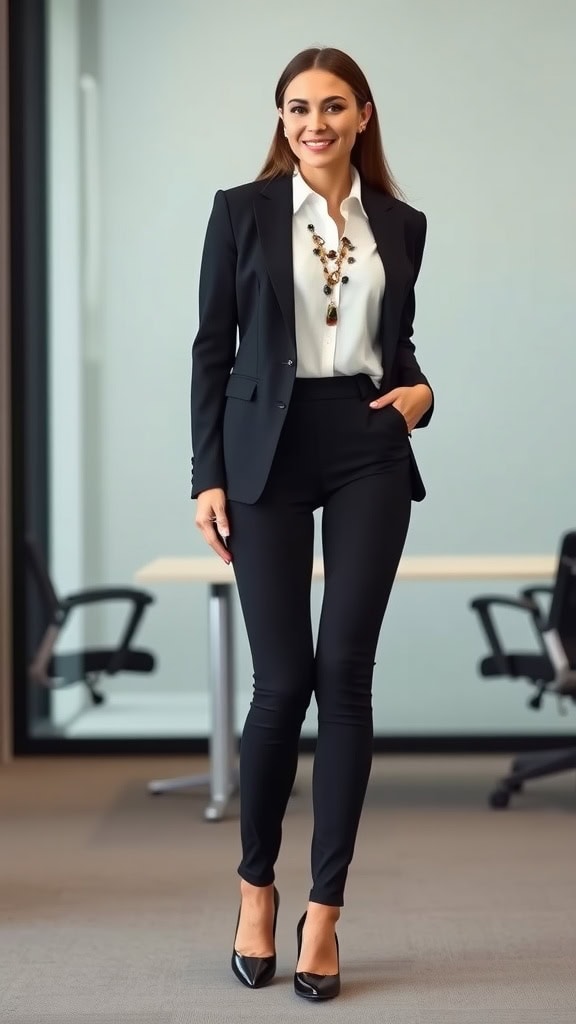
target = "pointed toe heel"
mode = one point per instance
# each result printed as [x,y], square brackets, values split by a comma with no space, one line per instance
[255,971]
[315,986]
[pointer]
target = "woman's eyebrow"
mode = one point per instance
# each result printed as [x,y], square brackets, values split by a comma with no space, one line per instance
[329,99]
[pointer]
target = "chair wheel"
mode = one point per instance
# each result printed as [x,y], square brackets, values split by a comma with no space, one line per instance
[499,798]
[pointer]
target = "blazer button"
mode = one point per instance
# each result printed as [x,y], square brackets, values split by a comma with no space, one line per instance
[281,405]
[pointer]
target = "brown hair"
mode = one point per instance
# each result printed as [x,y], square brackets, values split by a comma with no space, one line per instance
[367,153]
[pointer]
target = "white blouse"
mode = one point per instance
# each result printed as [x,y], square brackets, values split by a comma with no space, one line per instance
[351,346]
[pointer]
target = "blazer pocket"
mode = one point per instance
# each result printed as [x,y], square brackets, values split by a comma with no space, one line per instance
[240,387]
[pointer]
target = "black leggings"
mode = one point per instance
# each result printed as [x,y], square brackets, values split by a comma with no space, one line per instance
[336,453]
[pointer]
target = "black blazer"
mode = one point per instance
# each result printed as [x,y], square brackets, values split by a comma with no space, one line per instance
[241,393]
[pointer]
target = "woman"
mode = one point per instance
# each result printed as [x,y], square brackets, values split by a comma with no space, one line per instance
[314,265]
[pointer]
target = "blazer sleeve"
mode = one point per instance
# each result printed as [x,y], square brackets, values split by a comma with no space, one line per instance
[214,348]
[409,371]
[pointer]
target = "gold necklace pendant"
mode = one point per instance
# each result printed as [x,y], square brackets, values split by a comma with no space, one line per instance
[332,277]
[331,315]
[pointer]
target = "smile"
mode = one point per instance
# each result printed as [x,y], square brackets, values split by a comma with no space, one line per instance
[318,145]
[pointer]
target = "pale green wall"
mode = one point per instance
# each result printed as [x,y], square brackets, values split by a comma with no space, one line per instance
[476,103]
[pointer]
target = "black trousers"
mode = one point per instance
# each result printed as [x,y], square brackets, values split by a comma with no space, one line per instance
[335,453]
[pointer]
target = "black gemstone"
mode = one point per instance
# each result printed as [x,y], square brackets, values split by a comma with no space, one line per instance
[345,280]
[351,259]
[332,255]
[316,252]
[346,241]
[352,248]
[310,227]
[331,315]
[327,289]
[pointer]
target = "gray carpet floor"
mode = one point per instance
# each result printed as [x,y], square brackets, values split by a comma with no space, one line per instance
[117,907]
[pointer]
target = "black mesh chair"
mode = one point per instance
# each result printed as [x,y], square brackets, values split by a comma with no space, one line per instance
[551,669]
[86,666]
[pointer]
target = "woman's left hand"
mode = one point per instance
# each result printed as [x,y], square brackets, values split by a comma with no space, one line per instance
[412,402]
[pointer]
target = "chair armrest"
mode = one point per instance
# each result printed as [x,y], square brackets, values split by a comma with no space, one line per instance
[117,660]
[513,602]
[139,599]
[542,589]
[482,605]
[97,594]
[539,617]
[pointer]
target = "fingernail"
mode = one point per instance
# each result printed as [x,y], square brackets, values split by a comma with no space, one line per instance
[373,405]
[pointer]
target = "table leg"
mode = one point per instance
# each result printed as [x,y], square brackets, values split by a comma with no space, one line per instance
[222,741]
[222,777]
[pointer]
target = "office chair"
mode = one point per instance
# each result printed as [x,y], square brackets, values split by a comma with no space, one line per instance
[551,669]
[86,666]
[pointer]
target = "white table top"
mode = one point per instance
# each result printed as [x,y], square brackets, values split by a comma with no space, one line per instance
[212,569]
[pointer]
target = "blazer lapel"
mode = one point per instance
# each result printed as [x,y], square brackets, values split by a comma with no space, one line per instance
[385,228]
[273,211]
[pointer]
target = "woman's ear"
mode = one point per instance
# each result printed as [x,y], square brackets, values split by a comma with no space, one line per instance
[366,113]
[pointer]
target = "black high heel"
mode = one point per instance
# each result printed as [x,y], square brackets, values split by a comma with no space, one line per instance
[315,986]
[255,971]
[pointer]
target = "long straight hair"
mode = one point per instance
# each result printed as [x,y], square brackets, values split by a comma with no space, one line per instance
[367,153]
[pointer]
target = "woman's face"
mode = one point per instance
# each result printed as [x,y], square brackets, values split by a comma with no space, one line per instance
[322,119]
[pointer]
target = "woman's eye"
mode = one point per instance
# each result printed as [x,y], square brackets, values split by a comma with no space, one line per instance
[335,108]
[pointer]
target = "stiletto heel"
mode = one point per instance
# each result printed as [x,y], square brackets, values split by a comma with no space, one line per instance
[315,986]
[255,971]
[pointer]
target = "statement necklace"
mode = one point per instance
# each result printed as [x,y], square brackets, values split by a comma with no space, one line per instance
[335,275]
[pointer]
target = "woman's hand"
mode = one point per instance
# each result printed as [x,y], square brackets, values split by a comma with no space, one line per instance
[212,520]
[412,402]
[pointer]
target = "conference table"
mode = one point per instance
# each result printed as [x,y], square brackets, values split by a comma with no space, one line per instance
[218,578]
